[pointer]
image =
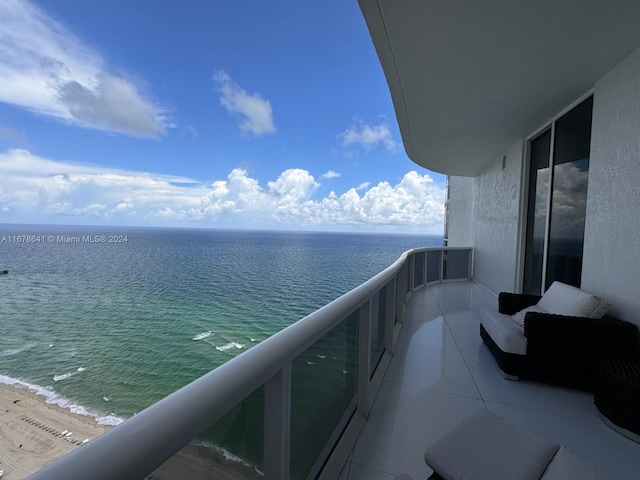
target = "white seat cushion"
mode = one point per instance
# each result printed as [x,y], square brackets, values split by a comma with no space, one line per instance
[487,446]
[506,333]
[566,465]
[519,317]
[563,299]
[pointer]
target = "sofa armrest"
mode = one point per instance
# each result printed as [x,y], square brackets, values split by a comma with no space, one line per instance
[510,303]
[568,349]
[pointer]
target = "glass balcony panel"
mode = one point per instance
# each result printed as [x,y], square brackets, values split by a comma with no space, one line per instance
[409,269]
[418,270]
[323,386]
[378,326]
[455,264]
[233,448]
[433,265]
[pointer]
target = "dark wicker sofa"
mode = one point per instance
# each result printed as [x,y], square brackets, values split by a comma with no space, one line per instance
[562,349]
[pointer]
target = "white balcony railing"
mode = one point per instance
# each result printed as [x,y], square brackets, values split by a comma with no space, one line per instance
[283,379]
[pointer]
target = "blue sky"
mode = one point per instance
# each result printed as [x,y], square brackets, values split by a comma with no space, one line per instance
[245,114]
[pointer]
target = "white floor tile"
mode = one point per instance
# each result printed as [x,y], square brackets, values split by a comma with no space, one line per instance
[540,396]
[359,472]
[433,333]
[394,440]
[435,368]
[467,338]
[614,454]
[453,295]
[462,317]
[424,297]
[442,372]
[344,475]
[418,314]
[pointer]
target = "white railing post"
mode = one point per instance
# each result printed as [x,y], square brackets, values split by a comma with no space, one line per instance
[412,272]
[399,297]
[277,422]
[390,316]
[364,358]
[424,269]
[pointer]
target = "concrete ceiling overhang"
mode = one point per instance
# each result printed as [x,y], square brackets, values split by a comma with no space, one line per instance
[469,78]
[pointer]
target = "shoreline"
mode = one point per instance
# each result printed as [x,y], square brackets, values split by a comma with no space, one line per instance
[34,433]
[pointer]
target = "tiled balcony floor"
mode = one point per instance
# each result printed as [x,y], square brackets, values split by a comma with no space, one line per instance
[442,372]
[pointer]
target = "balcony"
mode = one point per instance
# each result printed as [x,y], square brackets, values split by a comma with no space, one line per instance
[441,372]
[357,389]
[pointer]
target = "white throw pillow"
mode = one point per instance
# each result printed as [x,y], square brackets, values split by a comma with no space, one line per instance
[602,308]
[563,299]
[519,317]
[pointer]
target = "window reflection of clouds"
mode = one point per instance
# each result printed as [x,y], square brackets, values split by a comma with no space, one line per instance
[570,199]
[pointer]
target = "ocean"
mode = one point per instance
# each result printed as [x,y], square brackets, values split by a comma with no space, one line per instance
[108,320]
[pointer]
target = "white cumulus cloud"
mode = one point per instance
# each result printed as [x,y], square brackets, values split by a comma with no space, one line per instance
[30,184]
[293,185]
[41,190]
[369,136]
[46,69]
[329,175]
[256,112]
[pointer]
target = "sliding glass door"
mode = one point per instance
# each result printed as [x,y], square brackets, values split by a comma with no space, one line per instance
[557,199]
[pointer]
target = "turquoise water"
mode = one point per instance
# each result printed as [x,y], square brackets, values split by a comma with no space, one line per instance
[107,328]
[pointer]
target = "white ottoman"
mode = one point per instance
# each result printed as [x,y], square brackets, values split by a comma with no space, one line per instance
[485,446]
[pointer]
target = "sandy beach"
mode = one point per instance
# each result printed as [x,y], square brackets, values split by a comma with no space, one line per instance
[34,433]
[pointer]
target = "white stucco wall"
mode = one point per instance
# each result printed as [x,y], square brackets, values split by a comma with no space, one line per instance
[611,265]
[460,211]
[496,211]
[484,213]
